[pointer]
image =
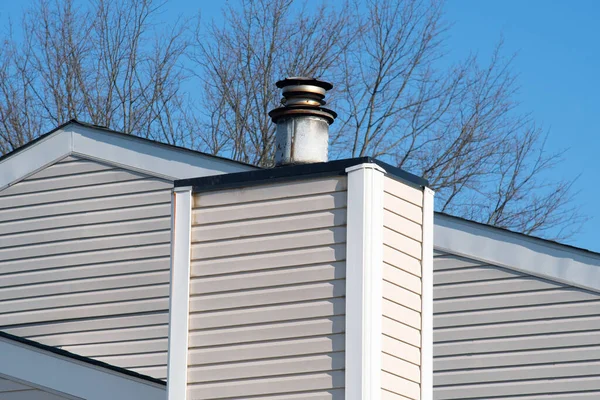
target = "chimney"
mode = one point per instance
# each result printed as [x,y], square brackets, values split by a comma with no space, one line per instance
[302,122]
[306,281]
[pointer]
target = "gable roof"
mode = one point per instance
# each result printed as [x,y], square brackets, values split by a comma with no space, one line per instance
[128,151]
[524,253]
[61,372]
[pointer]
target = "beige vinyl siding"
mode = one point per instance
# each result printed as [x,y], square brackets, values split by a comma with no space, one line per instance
[267,292]
[84,258]
[402,254]
[508,335]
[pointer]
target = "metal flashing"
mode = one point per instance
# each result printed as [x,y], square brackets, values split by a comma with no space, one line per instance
[293,172]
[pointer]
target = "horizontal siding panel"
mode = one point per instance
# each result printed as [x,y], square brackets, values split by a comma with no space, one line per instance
[401,296]
[68,208]
[474,274]
[59,275]
[84,285]
[120,348]
[70,182]
[403,190]
[81,220]
[269,226]
[387,395]
[401,386]
[533,298]
[65,168]
[401,314]
[400,260]
[269,243]
[87,258]
[447,261]
[511,285]
[253,280]
[85,232]
[277,313]
[264,386]
[403,208]
[402,243]
[399,277]
[494,360]
[288,294]
[271,208]
[516,374]
[84,311]
[402,225]
[92,298]
[401,350]
[272,331]
[402,332]
[511,389]
[106,335]
[575,324]
[269,192]
[254,262]
[519,314]
[270,349]
[265,368]
[105,190]
[399,367]
[333,394]
[518,343]
[90,244]
[55,329]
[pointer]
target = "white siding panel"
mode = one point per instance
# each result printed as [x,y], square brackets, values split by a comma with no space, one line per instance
[267,292]
[84,258]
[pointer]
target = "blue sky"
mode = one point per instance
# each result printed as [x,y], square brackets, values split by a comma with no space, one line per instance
[558,63]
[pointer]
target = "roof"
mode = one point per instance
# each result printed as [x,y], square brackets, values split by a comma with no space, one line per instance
[103,144]
[524,253]
[60,374]
[293,172]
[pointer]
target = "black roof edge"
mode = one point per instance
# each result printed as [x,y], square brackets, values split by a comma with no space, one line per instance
[105,129]
[292,172]
[73,356]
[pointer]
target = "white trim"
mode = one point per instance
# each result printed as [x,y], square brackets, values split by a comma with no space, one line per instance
[43,369]
[427,297]
[181,228]
[518,252]
[118,149]
[364,280]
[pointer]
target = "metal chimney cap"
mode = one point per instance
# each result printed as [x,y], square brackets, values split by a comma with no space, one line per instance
[300,80]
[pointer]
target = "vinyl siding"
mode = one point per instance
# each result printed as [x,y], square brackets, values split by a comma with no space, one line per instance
[401,342]
[508,335]
[84,258]
[267,292]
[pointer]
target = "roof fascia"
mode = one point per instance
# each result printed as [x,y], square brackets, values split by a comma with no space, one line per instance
[131,152]
[518,252]
[72,377]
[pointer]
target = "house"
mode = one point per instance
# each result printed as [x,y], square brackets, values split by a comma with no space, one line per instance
[327,280]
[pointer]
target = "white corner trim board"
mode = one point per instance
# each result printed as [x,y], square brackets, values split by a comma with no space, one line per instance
[117,149]
[56,373]
[364,280]
[511,250]
[427,297]
[181,228]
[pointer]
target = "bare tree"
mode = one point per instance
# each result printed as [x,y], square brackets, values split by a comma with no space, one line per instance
[457,126]
[105,63]
[109,63]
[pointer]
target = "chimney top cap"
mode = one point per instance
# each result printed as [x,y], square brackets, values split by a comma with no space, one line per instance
[300,80]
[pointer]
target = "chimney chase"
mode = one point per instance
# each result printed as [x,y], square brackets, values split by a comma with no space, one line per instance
[302,123]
